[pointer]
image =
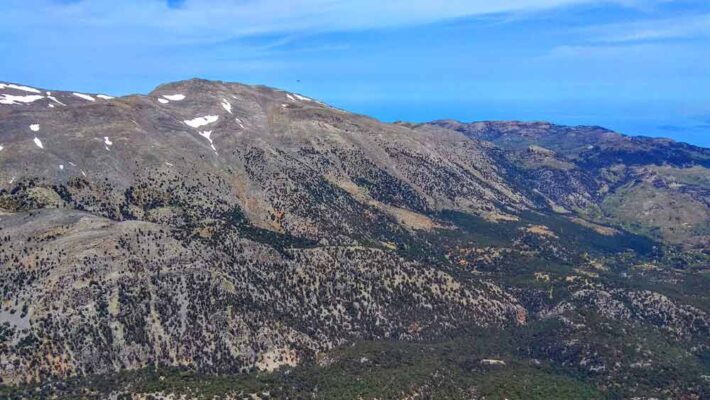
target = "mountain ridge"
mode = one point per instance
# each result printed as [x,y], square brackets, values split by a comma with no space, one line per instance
[230,229]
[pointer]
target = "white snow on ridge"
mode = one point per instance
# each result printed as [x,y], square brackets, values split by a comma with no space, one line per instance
[34,127]
[199,121]
[10,99]
[18,87]
[227,105]
[54,99]
[103,96]
[163,101]
[304,98]
[174,97]
[84,96]
[39,143]
[206,135]
[296,96]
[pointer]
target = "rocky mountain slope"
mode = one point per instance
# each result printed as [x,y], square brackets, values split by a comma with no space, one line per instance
[652,186]
[212,227]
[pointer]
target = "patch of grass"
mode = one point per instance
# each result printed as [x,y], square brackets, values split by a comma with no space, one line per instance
[656,212]
[571,234]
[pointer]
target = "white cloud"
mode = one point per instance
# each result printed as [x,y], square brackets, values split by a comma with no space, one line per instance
[681,27]
[213,20]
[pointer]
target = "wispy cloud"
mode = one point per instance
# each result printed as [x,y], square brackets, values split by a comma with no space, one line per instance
[647,45]
[192,20]
[679,27]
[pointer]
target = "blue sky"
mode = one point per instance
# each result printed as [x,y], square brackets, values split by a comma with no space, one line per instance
[637,66]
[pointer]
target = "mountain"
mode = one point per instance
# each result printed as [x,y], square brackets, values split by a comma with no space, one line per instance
[657,187]
[216,239]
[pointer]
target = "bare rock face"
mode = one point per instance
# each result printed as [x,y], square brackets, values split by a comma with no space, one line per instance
[284,159]
[234,228]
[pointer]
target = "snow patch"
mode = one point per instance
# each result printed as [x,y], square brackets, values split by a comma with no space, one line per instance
[490,361]
[34,127]
[1,147]
[107,141]
[84,96]
[163,101]
[168,164]
[227,105]
[206,135]
[83,173]
[103,96]
[39,143]
[54,99]
[303,98]
[51,106]
[61,167]
[174,97]
[10,99]
[291,97]
[199,121]
[19,87]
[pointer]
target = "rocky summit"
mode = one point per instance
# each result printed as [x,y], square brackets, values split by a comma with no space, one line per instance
[220,240]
